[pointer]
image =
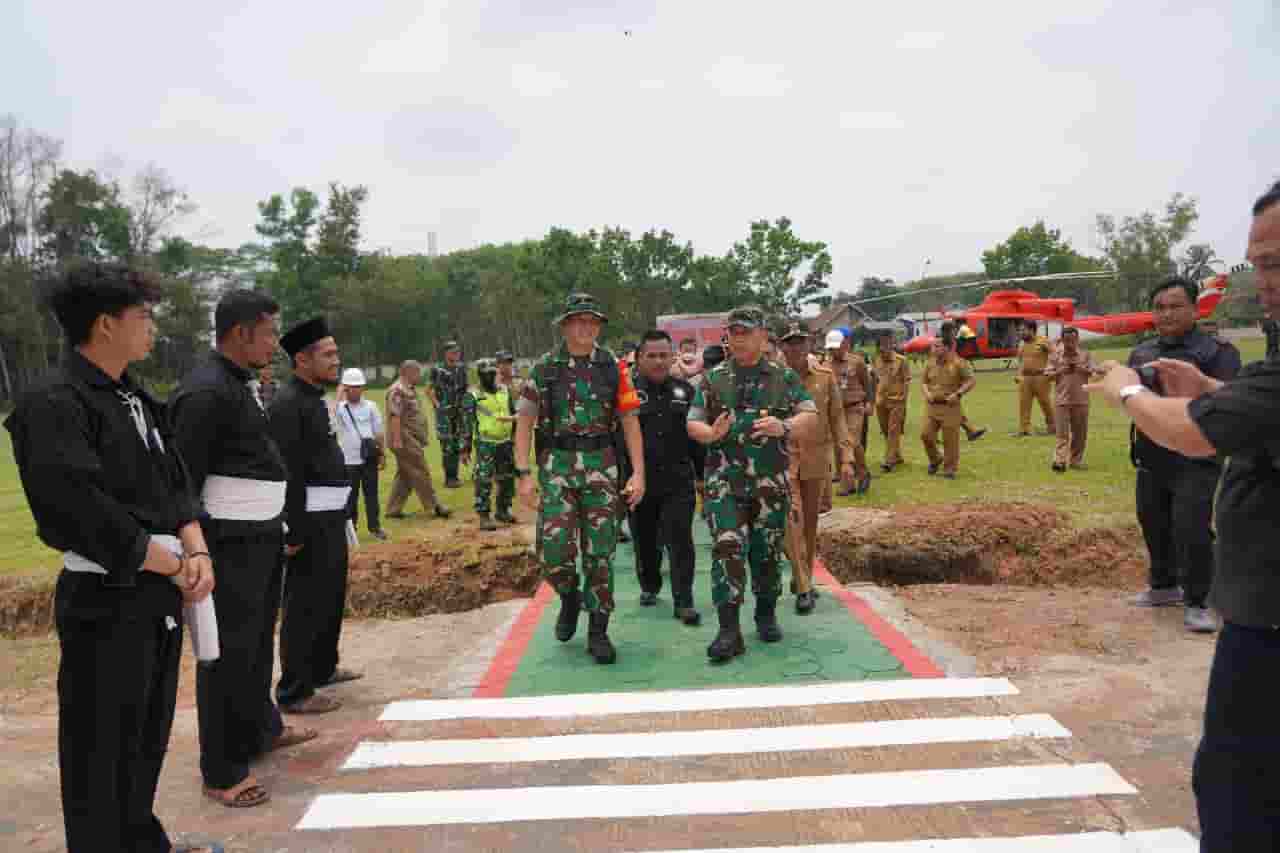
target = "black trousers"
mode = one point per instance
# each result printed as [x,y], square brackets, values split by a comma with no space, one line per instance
[1175,509]
[117,686]
[315,593]
[1237,768]
[364,476]
[238,720]
[665,520]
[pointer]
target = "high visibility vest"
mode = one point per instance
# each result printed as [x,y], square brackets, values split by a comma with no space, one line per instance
[489,407]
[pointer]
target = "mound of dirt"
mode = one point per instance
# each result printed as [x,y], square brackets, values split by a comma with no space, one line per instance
[1009,543]
[457,568]
[440,575]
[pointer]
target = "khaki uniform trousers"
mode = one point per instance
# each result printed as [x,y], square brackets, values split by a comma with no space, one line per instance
[412,475]
[856,421]
[1034,388]
[1073,432]
[893,420]
[802,532]
[950,429]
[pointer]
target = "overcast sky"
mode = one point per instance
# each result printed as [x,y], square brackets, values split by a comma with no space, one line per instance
[920,130]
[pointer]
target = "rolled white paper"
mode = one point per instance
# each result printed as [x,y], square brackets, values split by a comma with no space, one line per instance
[203,621]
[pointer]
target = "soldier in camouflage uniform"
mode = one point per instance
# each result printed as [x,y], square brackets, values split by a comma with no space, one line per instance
[447,389]
[490,417]
[746,411]
[574,395]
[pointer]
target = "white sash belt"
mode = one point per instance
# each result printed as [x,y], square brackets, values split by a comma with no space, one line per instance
[73,562]
[242,499]
[327,498]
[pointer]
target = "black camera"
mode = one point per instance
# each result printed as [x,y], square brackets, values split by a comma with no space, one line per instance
[1150,378]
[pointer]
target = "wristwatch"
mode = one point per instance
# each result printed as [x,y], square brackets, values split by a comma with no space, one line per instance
[1130,390]
[522,472]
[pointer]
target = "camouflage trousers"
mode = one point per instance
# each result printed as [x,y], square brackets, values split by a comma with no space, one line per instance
[579,514]
[449,434]
[494,461]
[747,529]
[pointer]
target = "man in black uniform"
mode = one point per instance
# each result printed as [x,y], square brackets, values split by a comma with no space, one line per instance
[220,428]
[672,462]
[315,515]
[1175,492]
[1237,775]
[108,489]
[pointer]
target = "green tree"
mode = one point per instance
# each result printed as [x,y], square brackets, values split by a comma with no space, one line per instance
[291,275]
[338,235]
[1140,248]
[782,271]
[883,299]
[83,218]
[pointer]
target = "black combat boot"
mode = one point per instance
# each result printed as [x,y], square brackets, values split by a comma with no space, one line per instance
[767,620]
[728,643]
[505,516]
[567,621]
[598,645]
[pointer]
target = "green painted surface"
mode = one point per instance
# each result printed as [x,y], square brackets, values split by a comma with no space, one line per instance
[657,652]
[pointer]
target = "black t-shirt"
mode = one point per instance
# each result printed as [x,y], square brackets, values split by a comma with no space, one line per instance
[1242,420]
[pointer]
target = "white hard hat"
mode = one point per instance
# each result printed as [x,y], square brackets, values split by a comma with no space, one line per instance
[353,377]
[835,339]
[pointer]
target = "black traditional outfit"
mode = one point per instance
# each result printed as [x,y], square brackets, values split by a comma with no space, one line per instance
[220,428]
[103,480]
[315,513]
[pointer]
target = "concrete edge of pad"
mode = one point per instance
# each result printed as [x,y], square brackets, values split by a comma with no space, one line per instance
[462,679]
[886,605]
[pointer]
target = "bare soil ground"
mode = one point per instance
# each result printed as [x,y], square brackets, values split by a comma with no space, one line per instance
[1012,586]
[1005,543]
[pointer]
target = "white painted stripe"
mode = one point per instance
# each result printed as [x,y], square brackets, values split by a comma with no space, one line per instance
[500,750]
[673,701]
[1153,841]
[863,790]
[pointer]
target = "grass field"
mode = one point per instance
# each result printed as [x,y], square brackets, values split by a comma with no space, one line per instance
[996,468]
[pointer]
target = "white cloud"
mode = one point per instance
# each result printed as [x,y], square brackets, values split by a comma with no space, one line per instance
[871,121]
[533,82]
[735,77]
[920,41]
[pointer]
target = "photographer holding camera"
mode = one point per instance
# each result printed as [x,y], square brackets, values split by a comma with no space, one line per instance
[1237,767]
[1175,490]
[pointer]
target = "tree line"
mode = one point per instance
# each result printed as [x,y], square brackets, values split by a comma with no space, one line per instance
[385,307]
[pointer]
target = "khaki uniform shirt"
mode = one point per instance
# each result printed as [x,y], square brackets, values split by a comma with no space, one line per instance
[1070,376]
[940,380]
[851,374]
[1034,355]
[893,376]
[403,402]
[812,458]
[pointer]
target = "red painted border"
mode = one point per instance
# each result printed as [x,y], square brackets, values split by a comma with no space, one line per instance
[913,660]
[505,662]
[494,683]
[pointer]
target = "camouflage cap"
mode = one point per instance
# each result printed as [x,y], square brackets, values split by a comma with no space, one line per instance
[794,330]
[486,365]
[503,355]
[449,346]
[748,317]
[581,303]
